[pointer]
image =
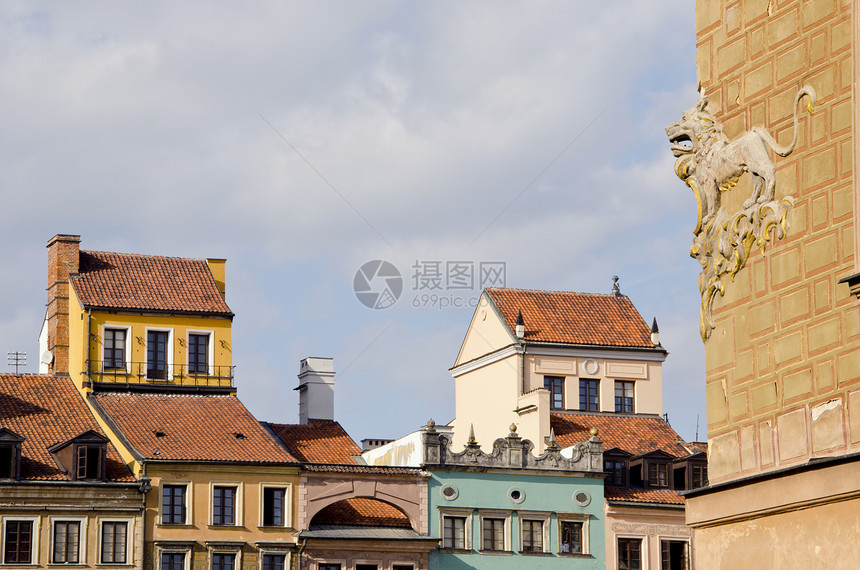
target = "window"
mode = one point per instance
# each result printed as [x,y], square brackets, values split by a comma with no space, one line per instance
[173,504]
[367,567]
[221,561]
[198,353]
[699,476]
[114,537]
[570,537]
[532,535]
[589,395]
[156,355]
[66,540]
[624,396]
[616,472]
[89,462]
[403,567]
[492,533]
[658,474]
[629,554]
[329,567]
[273,506]
[555,385]
[114,347]
[9,454]
[223,505]
[173,561]
[454,532]
[18,542]
[674,555]
[273,561]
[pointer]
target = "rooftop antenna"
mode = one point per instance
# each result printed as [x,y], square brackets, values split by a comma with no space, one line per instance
[697,428]
[16,359]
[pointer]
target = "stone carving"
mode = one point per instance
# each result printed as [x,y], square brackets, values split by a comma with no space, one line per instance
[513,452]
[710,164]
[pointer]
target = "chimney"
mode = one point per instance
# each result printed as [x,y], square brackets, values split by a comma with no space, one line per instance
[316,389]
[63,260]
[655,333]
[521,326]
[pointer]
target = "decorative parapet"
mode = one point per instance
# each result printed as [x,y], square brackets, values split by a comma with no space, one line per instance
[710,164]
[512,452]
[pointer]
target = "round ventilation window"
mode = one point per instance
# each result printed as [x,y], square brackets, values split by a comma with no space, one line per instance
[449,492]
[516,495]
[581,498]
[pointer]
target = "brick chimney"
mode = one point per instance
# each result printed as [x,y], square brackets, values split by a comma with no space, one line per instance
[63,259]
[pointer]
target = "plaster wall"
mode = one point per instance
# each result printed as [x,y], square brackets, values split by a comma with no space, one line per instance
[545,495]
[783,364]
[487,332]
[486,398]
[650,525]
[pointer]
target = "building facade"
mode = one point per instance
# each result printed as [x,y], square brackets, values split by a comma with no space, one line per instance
[780,313]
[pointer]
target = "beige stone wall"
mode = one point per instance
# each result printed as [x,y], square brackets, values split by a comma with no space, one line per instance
[783,364]
[651,525]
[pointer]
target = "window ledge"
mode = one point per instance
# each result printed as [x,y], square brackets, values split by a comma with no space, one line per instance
[228,526]
[455,551]
[175,525]
[535,553]
[67,565]
[574,554]
[274,527]
[497,552]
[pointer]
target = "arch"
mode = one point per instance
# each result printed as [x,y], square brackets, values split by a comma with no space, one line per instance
[359,511]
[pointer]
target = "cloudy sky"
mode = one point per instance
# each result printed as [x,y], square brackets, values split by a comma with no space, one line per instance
[300,140]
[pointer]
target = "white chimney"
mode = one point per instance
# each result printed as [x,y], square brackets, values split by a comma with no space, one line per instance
[316,389]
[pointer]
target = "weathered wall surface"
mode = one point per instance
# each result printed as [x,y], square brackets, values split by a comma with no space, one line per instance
[783,363]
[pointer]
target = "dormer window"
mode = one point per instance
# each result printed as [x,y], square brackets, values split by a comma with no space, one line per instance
[658,474]
[82,458]
[10,454]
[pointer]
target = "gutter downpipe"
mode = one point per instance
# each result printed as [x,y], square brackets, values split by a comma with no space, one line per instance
[89,339]
[300,552]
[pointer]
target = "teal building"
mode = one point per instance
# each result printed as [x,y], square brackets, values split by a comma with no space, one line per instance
[511,509]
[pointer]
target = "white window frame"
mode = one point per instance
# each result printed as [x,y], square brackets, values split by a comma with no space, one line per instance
[238,518]
[467,527]
[159,550]
[403,563]
[542,517]
[235,552]
[210,354]
[127,348]
[129,540]
[34,539]
[342,563]
[288,503]
[274,551]
[643,549]
[575,518]
[506,532]
[82,540]
[686,539]
[170,335]
[376,561]
[188,503]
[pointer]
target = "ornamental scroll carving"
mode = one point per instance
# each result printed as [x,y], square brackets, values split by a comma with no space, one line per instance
[710,164]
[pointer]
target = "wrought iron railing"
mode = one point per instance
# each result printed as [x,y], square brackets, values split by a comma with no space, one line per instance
[146,373]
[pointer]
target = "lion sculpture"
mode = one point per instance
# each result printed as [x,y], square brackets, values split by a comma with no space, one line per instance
[711,164]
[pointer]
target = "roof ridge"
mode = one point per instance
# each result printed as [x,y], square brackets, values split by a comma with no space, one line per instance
[584,293]
[94,251]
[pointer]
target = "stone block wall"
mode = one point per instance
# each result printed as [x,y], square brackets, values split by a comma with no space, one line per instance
[783,364]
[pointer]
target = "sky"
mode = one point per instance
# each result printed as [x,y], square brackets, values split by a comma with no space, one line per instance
[301,140]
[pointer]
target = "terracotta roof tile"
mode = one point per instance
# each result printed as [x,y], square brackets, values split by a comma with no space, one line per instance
[46,410]
[361,512]
[632,495]
[193,427]
[371,469]
[147,282]
[633,434]
[320,441]
[573,318]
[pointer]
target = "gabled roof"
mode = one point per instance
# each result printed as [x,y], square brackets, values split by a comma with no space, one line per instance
[320,441]
[573,318]
[48,410]
[147,282]
[633,434]
[191,427]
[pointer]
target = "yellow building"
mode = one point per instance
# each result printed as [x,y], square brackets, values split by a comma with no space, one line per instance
[146,341]
[770,152]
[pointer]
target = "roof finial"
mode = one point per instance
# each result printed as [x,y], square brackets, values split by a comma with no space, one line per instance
[552,445]
[616,290]
[472,440]
[521,325]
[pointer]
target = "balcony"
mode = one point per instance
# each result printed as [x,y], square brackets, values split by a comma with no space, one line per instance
[101,371]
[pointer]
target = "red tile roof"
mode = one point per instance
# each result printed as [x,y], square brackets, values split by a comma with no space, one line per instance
[320,441]
[193,428]
[46,410]
[633,434]
[632,495]
[361,512]
[363,469]
[147,282]
[573,318]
